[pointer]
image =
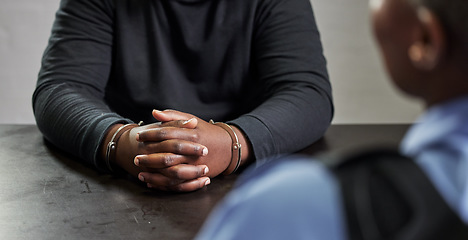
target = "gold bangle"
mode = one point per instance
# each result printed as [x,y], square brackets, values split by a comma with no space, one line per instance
[236,148]
[112,145]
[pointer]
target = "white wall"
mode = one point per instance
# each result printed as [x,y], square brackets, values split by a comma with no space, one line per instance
[24,29]
[361,88]
[361,91]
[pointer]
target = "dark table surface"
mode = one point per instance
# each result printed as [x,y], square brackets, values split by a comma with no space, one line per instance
[45,194]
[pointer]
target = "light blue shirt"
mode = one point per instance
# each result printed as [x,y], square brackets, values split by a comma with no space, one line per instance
[300,199]
[289,199]
[439,143]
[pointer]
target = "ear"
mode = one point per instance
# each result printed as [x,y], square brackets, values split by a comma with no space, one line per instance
[429,47]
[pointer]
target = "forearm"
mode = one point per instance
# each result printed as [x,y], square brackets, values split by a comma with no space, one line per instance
[296,94]
[285,125]
[73,120]
[69,101]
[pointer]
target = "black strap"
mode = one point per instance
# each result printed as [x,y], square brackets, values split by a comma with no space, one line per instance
[387,196]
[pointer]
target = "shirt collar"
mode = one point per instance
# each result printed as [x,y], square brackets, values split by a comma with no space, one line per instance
[436,123]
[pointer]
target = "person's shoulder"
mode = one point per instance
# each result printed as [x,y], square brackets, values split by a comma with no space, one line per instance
[88,7]
[269,196]
[290,173]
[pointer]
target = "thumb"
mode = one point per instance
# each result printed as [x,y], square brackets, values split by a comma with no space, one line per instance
[170,115]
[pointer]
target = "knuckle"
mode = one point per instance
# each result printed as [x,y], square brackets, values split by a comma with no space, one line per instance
[177,174]
[178,147]
[168,160]
[194,137]
[171,176]
[197,149]
[162,133]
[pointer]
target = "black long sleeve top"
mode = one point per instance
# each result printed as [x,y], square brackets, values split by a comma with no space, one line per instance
[257,64]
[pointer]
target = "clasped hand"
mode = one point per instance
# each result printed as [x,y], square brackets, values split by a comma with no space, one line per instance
[180,153]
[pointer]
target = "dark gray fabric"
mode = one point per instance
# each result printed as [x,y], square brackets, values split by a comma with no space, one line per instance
[255,63]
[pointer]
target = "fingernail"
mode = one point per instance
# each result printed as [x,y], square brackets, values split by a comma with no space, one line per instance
[138,137]
[136,161]
[205,151]
[186,122]
[141,177]
[157,111]
[149,185]
[206,171]
[207,182]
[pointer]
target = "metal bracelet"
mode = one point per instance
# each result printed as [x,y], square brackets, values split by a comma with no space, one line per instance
[236,147]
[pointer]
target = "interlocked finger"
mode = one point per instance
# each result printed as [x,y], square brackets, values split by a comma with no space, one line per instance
[161,160]
[185,171]
[161,182]
[175,146]
[167,133]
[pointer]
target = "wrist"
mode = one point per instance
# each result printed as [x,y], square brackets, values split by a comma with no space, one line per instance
[246,157]
[106,140]
[236,148]
[109,146]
